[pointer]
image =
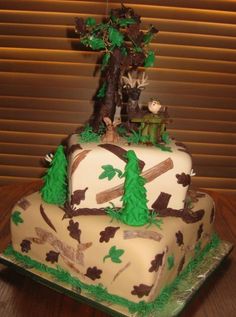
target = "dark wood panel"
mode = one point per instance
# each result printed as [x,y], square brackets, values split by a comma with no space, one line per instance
[31,138]
[173,101]
[21,171]
[183,64]
[224,5]
[203,136]
[25,149]
[32,55]
[79,69]
[77,87]
[6,180]
[146,11]
[175,50]
[214,183]
[213,160]
[44,115]
[48,55]
[215,171]
[202,113]
[14,32]
[217,149]
[81,117]
[40,127]
[21,160]
[203,125]
[87,106]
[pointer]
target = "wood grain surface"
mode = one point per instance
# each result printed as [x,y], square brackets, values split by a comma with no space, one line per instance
[22,297]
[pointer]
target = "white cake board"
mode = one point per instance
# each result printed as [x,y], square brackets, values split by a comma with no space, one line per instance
[180,297]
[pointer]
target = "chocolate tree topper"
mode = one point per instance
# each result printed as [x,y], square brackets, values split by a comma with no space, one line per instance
[124,46]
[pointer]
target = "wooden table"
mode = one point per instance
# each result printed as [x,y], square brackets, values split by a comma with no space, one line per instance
[22,297]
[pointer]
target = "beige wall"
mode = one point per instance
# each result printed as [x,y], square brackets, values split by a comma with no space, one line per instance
[46,86]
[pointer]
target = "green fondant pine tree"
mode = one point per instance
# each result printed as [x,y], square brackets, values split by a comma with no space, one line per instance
[54,190]
[134,210]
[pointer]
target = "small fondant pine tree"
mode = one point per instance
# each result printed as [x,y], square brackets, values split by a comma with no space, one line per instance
[134,210]
[54,190]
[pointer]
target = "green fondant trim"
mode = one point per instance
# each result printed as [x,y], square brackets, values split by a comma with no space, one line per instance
[170,262]
[153,220]
[88,135]
[100,292]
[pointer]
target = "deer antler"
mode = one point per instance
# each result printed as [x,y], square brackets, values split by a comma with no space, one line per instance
[141,83]
[129,81]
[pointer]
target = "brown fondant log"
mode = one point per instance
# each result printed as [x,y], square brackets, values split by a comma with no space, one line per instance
[152,235]
[162,201]
[78,159]
[149,175]
[73,148]
[120,152]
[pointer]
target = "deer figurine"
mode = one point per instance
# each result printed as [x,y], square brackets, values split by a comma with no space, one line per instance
[132,88]
[111,135]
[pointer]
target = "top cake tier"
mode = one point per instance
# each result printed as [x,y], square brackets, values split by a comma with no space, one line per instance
[95,173]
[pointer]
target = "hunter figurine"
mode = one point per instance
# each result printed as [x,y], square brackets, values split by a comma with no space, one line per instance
[153,124]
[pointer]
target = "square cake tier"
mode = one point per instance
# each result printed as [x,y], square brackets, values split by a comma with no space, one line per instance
[96,169]
[131,263]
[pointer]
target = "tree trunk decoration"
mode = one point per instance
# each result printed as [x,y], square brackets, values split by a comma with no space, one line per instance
[124,46]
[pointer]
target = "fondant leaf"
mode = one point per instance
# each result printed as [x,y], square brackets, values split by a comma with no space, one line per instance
[149,60]
[16,218]
[115,37]
[94,42]
[163,147]
[114,254]
[110,172]
[125,22]
[147,38]
[105,59]
[90,21]
[102,91]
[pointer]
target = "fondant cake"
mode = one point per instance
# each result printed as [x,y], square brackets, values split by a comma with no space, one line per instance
[128,262]
[115,217]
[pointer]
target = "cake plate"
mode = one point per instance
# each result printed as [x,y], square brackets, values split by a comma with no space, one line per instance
[178,300]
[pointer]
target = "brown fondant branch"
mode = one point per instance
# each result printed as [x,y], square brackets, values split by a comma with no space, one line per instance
[71,212]
[120,152]
[185,214]
[128,234]
[149,175]
[46,219]
[121,271]
[78,158]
